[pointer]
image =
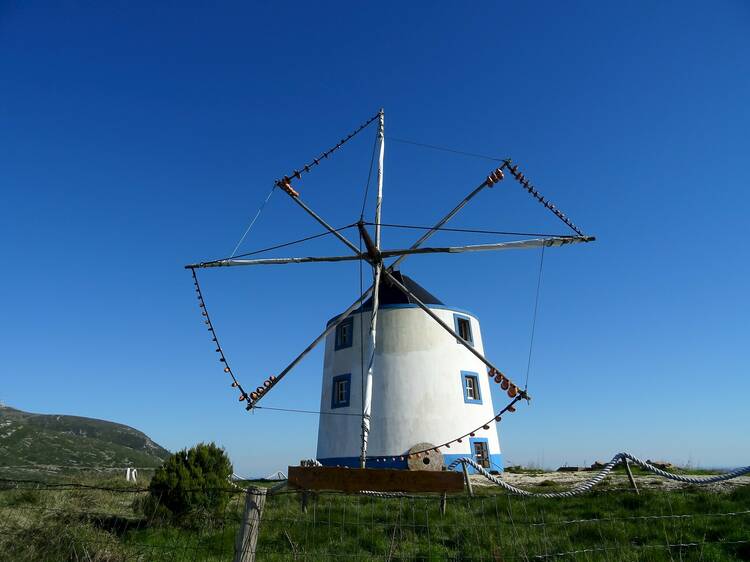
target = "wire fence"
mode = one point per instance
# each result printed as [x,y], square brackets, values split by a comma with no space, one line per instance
[106,521]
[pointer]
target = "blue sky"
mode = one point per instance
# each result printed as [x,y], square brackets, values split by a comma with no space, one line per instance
[137,137]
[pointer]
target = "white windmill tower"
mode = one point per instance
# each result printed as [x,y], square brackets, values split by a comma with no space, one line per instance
[424,381]
[422,392]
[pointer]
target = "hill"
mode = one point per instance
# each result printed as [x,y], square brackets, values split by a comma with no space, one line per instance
[39,440]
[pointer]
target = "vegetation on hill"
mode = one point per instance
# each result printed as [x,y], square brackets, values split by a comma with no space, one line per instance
[36,440]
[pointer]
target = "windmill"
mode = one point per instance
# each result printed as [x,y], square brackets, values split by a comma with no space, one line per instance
[385,274]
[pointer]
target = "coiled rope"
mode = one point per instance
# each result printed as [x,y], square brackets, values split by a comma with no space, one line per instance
[587,486]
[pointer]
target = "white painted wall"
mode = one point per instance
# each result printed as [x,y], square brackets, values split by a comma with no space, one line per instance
[417,387]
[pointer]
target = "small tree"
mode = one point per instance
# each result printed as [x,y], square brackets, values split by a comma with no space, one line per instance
[192,482]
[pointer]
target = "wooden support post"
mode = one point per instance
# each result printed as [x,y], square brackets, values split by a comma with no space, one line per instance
[443,503]
[303,500]
[469,489]
[247,535]
[630,476]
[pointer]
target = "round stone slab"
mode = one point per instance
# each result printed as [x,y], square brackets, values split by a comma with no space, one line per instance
[430,460]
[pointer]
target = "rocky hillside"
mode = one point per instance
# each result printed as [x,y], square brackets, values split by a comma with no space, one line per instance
[37,440]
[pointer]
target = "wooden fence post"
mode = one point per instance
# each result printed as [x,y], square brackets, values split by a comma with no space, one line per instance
[247,534]
[630,476]
[468,480]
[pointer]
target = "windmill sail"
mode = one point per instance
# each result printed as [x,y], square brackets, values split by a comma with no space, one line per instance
[377,270]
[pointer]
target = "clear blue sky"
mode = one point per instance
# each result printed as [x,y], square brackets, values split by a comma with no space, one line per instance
[137,137]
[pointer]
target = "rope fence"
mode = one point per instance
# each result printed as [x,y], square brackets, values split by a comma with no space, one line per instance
[588,485]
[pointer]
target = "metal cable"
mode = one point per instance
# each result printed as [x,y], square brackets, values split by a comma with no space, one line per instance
[369,177]
[298,411]
[445,149]
[255,218]
[533,322]
[283,245]
[471,230]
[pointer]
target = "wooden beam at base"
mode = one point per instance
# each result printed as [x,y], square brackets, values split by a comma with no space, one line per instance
[374,479]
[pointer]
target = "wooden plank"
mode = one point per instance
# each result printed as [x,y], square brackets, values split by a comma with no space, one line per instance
[374,479]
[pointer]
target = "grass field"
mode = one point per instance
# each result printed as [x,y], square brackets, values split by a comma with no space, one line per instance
[101,524]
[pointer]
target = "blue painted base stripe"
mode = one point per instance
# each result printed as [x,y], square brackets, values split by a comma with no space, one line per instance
[496,461]
[353,462]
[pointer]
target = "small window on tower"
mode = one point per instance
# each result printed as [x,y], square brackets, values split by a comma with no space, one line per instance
[344,332]
[463,327]
[470,381]
[341,391]
[481,453]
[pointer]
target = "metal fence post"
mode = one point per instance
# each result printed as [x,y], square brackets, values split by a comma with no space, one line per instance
[247,534]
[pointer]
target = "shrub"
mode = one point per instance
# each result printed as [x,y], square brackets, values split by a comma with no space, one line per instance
[191,484]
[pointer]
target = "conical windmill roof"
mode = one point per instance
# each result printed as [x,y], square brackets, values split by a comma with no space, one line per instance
[389,294]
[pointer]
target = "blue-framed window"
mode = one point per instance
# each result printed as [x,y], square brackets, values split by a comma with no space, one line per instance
[470,384]
[480,451]
[341,391]
[462,326]
[345,334]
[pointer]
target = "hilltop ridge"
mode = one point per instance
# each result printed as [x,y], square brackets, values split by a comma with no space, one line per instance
[30,440]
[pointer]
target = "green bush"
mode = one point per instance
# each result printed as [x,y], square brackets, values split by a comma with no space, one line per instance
[191,485]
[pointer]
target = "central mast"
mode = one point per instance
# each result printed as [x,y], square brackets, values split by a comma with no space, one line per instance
[377,267]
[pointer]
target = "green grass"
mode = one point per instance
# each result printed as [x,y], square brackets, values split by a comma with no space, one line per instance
[501,527]
[103,526]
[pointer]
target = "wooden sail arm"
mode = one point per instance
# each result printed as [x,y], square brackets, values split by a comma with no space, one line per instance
[253,399]
[373,251]
[550,242]
[231,262]
[373,254]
